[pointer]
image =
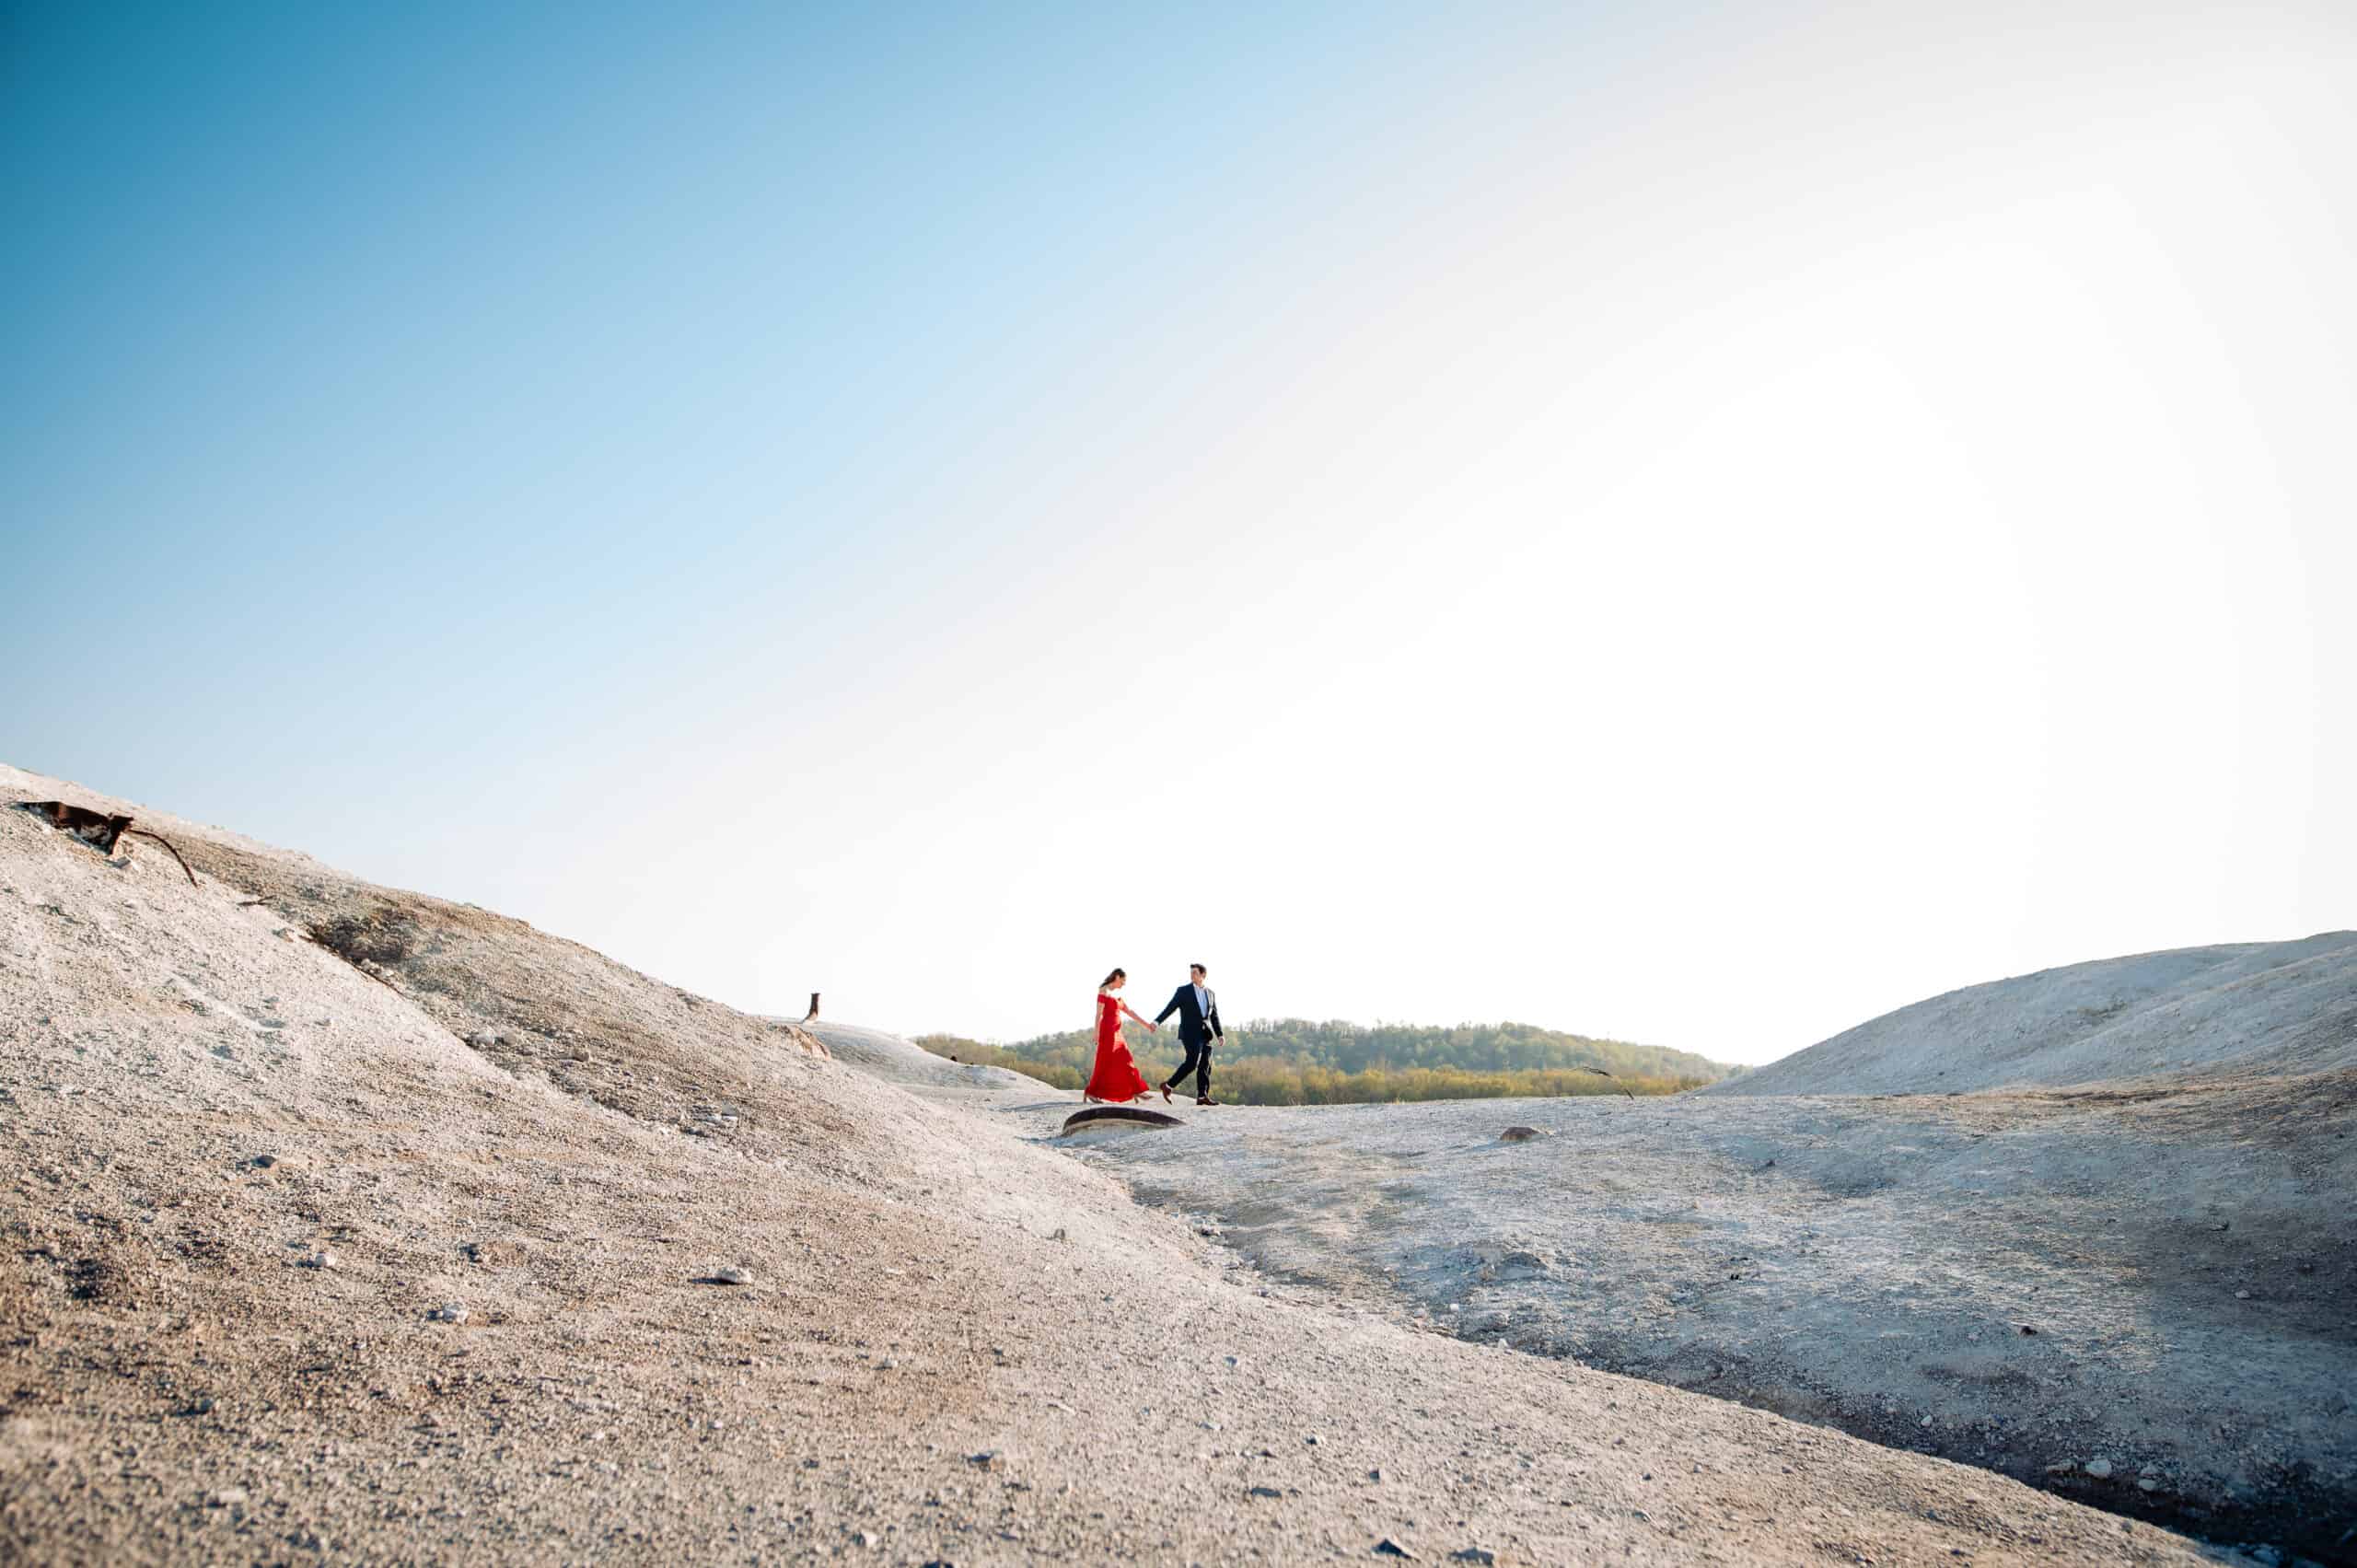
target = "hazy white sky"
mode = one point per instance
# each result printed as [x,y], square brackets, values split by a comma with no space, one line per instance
[1699,525]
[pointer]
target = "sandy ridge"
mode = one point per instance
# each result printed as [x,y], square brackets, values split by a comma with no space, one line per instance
[929,1284]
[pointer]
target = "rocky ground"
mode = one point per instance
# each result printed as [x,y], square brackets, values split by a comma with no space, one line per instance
[2147,1301]
[349,1224]
[2225,1015]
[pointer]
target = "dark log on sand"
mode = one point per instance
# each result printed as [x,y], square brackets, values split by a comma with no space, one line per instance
[98,830]
[1103,1113]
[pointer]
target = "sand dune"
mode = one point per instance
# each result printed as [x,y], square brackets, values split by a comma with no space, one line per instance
[2250,1009]
[352,1225]
[896,1061]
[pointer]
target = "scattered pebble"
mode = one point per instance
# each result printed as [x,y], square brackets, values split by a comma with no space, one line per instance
[1264,1492]
[2146,1484]
[732,1275]
[2099,1469]
[265,1161]
[1480,1554]
[227,1497]
[1520,1134]
[1387,1547]
[449,1312]
[2242,1296]
[322,1260]
[886,1364]
[869,1540]
[2061,1467]
[988,1459]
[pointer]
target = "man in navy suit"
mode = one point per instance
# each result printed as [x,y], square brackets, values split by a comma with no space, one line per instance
[1198,1012]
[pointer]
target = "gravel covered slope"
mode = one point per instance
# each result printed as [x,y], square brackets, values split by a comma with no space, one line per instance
[2185,1261]
[296,1273]
[2240,1010]
[897,1060]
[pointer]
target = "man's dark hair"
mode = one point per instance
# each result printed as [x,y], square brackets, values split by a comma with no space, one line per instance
[1198,969]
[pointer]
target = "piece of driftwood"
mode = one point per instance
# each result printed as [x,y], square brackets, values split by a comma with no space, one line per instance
[101,831]
[814,1008]
[95,829]
[143,833]
[1616,1083]
[1137,1113]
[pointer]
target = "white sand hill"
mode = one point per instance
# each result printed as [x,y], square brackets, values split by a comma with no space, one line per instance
[412,1255]
[894,1060]
[2246,1010]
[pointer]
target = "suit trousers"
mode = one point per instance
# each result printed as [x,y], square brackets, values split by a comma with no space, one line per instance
[1199,1061]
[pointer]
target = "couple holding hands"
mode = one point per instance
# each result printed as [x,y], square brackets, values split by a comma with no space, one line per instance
[1116,1078]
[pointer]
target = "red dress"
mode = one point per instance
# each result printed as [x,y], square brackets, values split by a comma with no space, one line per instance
[1116,1078]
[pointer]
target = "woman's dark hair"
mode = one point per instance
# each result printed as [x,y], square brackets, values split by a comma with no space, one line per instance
[1117,974]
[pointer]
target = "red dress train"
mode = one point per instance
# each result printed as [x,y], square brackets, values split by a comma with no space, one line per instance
[1116,1078]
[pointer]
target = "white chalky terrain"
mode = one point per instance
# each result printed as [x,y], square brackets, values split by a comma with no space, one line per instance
[2248,1010]
[2163,1282]
[534,1170]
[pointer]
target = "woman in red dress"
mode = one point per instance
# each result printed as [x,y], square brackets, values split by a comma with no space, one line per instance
[1116,1078]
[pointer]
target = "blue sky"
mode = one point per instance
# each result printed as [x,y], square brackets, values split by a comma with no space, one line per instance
[487,346]
[514,366]
[1463,512]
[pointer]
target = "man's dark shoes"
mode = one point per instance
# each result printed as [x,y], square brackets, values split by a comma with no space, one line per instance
[1165,1094]
[1207,1100]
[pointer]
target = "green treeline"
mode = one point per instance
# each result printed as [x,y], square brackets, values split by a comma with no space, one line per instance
[1297,1061]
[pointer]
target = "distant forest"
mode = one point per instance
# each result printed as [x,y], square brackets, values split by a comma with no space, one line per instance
[1297,1061]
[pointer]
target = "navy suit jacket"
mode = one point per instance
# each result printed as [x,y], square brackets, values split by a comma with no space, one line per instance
[1195,1025]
